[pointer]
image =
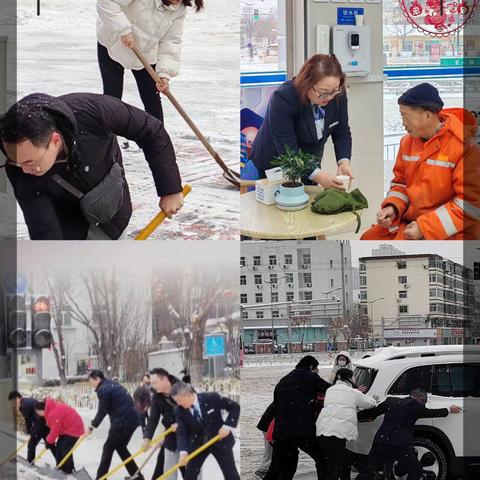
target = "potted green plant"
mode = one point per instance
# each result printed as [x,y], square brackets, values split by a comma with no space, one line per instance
[294,165]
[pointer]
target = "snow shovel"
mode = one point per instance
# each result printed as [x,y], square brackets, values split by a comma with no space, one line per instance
[229,174]
[213,440]
[157,444]
[39,456]
[53,473]
[158,219]
[15,453]
[70,453]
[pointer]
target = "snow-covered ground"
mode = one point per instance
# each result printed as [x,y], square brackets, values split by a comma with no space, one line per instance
[88,455]
[57,55]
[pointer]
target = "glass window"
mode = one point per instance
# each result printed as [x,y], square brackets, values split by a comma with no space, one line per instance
[273,278]
[258,298]
[66,319]
[242,261]
[245,315]
[289,296]
[276,314]
[258,279]
[403,309]
[416,377]
[331,263]
[274,297]
[307,277]
[441,384]
[243,279]
[257,261]
[402,264]
[402,279]
[307,259]
[363,295]
[288,259]
[272,260]
[308,295]
[402,294]
[363,267]
[259,314]
[465,380]
[243,298]
[363,280]
[331,283]
[289,277]
[364,376]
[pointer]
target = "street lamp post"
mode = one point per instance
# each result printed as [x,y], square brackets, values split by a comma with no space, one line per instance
[371,302]
[271,283]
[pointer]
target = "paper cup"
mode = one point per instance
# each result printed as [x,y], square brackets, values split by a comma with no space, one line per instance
[345,179]
[359,17]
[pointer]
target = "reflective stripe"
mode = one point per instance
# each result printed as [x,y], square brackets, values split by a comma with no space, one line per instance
[440,163]
[408,158]
[446,221]
[397,185]
[402,196]
[468,208]
[393,229]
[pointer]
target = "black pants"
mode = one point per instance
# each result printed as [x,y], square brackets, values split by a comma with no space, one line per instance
[39,431]
[380,454]
[117,441]
[285,457]
[64,444]
[160,462]
[224,457]
[334,450]
[112,77]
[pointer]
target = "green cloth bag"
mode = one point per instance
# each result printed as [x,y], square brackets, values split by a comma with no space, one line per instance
[332,201]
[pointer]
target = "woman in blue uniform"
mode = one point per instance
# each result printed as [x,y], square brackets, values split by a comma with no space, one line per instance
[303,113]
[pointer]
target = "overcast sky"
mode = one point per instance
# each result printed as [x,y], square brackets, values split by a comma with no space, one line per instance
[453,250]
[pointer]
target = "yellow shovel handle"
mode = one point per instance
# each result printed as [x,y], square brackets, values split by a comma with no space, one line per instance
[162,435]
[118,467]
[40,455]
[15,453]
[70,453]
[158,219]
[192,455]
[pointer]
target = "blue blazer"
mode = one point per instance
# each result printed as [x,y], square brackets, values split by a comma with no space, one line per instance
[191,434]
[289,122]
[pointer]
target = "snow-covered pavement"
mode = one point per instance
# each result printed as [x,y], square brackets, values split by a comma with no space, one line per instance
[57,55]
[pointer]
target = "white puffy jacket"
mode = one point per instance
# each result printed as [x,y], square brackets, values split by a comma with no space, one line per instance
[338,417]
[157,30]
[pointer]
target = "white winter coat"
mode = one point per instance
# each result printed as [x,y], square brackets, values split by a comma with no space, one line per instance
[338,417]
[157,30]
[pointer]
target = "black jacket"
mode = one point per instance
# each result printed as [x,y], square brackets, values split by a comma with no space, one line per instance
[267,417]
[116,402]
[289,122]
[400,417]
[27,409]
[164,407]
[89,124]
[191,434]
[295,399]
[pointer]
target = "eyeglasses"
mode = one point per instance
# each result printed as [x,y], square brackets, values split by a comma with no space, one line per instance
[324,96]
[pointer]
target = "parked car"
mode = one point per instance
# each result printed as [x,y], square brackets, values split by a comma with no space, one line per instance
[451,375]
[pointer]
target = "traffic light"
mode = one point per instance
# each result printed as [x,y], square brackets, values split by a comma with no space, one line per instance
[256,15]
[16,321]
[41,317]
[476,270]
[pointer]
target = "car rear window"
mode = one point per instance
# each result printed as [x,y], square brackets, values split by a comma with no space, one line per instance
[416,377]
[457,380]
[364,376]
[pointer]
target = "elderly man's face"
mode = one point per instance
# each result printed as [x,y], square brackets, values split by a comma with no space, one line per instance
[417,122]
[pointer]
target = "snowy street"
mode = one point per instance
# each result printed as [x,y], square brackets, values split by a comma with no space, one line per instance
[57,55]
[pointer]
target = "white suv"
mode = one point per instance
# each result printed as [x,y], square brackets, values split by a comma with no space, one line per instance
[450,374]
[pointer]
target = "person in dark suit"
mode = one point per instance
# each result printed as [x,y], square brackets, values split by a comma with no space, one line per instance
[302,114]
[394,439]
[116,402]
[199,418]
[295,398]
[35,426]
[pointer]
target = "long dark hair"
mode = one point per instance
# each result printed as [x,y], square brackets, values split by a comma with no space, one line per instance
[345,375]
[188,3]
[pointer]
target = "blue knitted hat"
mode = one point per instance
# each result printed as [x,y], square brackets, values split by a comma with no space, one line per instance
[425,96]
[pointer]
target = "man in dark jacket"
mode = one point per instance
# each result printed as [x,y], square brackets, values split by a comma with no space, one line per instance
[394,439]
[59,148]
[295,398]
[116,402]
[199,418]
[35,426]
[163,407]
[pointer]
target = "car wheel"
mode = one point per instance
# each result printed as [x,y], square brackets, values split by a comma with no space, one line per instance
[431,457]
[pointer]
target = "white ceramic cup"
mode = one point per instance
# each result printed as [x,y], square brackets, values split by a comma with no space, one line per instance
[345,179]
[359,18]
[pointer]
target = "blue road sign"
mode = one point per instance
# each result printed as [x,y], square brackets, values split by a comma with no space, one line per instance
[214,345]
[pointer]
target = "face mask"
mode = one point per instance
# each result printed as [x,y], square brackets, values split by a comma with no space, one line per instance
[172,7]
[342,363]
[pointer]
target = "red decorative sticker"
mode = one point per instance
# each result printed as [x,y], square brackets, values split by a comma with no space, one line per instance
[438,18]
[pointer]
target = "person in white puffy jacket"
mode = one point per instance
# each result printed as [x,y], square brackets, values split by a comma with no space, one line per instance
[337,421]
[155,27]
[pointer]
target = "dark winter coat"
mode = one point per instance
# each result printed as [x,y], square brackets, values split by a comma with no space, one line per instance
[295,398]
[192,434]
[117,403]
[27,410]
[164,407]
[400,417]
[89,124]
[266,418]
[289,122]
